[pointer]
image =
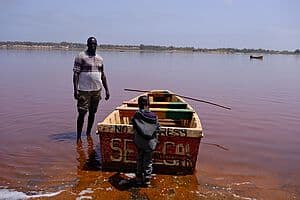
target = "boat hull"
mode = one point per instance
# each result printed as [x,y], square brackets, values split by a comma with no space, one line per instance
[179,137]
[256,57]
[173,154]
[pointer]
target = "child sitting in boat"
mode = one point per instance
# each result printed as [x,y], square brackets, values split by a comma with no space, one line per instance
[146,126]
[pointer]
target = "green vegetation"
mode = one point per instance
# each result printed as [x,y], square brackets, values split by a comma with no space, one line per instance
[141,47]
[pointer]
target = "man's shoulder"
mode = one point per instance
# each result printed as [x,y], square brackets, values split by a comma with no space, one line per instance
[81,54]
[98,57]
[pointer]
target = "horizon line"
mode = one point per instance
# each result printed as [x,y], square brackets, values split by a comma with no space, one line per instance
[169,46]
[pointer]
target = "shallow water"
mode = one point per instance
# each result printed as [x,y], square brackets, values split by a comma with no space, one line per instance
[38,120]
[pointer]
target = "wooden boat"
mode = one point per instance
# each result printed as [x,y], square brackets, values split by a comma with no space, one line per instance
[256,57]
[179,136]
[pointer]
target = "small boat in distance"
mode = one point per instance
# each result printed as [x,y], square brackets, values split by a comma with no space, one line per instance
[256,56]
[179,137]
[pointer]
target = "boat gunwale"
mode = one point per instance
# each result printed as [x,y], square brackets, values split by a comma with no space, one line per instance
[191,131]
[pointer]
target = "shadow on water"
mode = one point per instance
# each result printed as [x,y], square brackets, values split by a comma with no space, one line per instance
[62,137]
[90,162]
[122,183]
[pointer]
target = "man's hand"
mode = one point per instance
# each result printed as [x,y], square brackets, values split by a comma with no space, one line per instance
[76,94]
[107,95]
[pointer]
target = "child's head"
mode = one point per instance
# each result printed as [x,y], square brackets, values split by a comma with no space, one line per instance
[143,102]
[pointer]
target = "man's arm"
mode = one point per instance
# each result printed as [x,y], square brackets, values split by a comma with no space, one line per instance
[104,82]
[76,70]
[75,84]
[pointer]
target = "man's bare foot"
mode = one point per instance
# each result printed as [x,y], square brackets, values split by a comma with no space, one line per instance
[79,141]
[90,140]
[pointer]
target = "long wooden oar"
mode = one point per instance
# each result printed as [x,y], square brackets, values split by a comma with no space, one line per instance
[186,97]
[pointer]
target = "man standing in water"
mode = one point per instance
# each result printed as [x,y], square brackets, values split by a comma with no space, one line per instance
[88,75]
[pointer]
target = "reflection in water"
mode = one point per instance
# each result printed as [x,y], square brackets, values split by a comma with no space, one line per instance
[60,137]
[89,163]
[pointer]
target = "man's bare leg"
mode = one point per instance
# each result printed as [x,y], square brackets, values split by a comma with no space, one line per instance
[90,124]
[80,121]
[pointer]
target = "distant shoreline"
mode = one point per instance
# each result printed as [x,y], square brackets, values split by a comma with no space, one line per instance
[66,46]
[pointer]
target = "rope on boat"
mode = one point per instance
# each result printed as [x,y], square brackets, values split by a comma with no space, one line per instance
[217,145]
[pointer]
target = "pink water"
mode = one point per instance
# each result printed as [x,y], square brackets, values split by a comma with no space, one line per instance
[38,121]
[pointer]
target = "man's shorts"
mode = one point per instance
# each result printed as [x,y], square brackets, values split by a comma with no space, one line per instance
[88,101]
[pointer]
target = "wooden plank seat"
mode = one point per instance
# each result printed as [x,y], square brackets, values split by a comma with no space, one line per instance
[175,105]
[162,113]
[171,122]
[161,97]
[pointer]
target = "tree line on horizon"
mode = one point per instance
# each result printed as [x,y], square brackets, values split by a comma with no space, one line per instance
[141,47]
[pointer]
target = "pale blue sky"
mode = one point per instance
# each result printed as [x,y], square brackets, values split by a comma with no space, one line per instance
[268,24]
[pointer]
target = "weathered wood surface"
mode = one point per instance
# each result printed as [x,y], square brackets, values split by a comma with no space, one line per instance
[163,113]
[164,131]
[179,136]
[173,155]
[174,105]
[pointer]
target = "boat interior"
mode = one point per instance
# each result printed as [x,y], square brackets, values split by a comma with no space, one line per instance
[172,111]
